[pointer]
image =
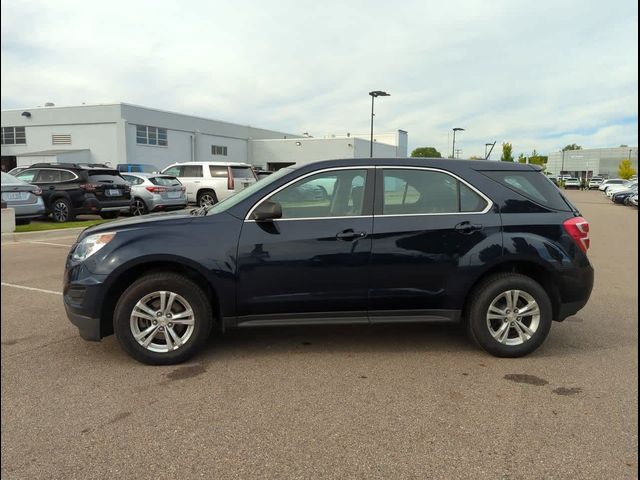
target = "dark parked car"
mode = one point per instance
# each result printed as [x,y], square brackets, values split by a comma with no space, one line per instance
[493,244]
[622,196]
[70,189]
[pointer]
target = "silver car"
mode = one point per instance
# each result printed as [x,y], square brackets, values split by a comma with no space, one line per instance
[24,198]
[152,192]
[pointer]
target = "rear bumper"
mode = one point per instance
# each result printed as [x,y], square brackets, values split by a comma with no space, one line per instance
[575,289]
[33,210]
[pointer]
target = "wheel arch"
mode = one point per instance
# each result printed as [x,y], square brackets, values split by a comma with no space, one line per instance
[531,269]
[127,276]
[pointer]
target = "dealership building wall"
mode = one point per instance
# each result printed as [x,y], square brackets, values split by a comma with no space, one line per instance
[591,162]
[109,133]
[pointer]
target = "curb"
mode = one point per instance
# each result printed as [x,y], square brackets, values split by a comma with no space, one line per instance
[60,233]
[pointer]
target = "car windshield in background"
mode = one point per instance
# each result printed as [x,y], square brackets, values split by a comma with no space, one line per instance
[165,181]
[247,192]
[105,176]
[532,185]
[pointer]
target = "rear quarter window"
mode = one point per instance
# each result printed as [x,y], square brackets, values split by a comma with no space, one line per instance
[532,185]
[242,172]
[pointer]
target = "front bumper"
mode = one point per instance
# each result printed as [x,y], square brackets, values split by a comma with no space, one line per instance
[83,295]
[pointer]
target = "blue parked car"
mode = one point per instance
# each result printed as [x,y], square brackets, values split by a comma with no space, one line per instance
[494,245]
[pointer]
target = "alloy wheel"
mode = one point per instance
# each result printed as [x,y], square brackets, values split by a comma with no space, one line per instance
[138,208]
[60,212]
[513,317]
[162,321]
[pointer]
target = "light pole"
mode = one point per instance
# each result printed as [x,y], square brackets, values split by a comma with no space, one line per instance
[374,94]
[453,149]
[485,149]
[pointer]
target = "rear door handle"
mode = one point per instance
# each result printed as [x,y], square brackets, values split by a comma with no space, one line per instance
[350,235]
[467,228]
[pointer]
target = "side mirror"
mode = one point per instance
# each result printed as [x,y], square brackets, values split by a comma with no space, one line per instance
[267,211]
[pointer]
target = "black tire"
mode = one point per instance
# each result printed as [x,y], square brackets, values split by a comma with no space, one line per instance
[171,282]
[480,301]
[61,211]
[22,221]
[109,215]
[206,197]
[138,207]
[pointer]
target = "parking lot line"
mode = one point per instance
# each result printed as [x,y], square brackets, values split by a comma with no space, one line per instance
[4,284]
[49,243]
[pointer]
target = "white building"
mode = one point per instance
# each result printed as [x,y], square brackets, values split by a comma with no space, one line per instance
[591,162]
[124,133]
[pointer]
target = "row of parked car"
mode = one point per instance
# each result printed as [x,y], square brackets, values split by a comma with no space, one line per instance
[621,191]
[64,190]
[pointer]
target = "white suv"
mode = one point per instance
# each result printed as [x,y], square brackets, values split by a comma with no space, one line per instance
[209,182]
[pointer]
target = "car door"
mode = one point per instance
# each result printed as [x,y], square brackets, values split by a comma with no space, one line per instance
[311,264]
[428,226]
[191,178]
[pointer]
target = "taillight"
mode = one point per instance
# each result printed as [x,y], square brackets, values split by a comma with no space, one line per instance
[89,187]
[230,182]
[578,229]
[156,189]
[37,191]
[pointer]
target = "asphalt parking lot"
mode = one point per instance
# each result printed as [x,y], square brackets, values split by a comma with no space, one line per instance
[413,401]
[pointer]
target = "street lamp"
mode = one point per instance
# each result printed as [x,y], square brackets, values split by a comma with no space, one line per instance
[485,149]
[374,94]
[453,149]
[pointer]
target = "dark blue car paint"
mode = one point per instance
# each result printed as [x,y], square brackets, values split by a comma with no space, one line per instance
[403,268]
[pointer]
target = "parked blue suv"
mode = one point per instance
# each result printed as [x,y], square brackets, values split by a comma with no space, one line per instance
[495,245]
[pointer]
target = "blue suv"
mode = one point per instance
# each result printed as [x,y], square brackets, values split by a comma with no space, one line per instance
[494,245]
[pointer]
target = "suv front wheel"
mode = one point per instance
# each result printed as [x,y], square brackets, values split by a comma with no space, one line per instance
[162,318]
[509,315]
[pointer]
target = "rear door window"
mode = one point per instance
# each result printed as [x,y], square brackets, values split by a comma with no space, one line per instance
[532,185]
[420,192]
[192,170]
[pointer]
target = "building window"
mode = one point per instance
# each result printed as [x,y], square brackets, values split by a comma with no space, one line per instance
[218,150]
[13,136]
[151,136]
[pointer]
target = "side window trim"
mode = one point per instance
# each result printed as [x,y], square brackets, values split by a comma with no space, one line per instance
[379,192]
[367,202]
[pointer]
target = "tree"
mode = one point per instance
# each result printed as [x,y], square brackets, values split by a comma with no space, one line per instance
[522,158]
[624,146]
[573,146]
[626,170]
[475,157]
[426,152]
[537,159]
[507,150]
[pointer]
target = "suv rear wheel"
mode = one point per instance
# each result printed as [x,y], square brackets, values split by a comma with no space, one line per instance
[509,315]
[162,318]
[206,198]
[61,210]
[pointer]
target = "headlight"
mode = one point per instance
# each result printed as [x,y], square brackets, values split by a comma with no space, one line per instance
[91,244]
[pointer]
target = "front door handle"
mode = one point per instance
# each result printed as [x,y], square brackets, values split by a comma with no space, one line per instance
[350,235]
[467,228]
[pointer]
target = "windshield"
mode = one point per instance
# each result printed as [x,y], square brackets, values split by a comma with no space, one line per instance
[233,200]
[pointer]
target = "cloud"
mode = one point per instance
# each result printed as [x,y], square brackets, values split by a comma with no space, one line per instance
[538,74]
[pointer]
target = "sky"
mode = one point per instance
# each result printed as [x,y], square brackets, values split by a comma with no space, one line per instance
[538,74]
